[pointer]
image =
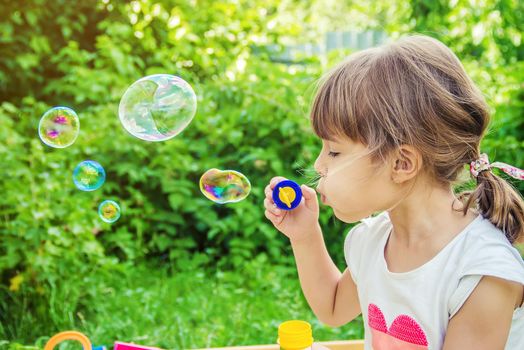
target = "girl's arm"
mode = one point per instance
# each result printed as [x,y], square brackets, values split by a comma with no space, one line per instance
[331,295]
[484,321]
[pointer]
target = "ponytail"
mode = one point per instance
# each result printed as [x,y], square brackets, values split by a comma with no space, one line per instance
[496,199]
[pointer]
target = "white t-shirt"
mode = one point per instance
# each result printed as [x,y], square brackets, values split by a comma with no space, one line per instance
[411,310]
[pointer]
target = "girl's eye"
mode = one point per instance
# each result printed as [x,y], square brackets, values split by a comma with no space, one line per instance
[333,154]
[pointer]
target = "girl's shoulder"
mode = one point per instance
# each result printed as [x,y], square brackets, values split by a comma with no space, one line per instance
[367,235]
[482,235]
[484,250]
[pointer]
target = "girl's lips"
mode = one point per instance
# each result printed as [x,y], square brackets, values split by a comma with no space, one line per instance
[323,199]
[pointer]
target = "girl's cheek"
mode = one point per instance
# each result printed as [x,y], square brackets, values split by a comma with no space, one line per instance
[328,186]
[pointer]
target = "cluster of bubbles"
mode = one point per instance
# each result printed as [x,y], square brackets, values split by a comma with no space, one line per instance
[154,108]
[159,107]
[59,128]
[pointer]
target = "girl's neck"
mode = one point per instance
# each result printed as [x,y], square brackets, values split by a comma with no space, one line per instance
[429,213]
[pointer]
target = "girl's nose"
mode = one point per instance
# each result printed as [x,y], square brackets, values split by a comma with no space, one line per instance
[320,168]
[317,166]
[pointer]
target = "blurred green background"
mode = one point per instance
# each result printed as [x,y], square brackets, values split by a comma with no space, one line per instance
[178,271]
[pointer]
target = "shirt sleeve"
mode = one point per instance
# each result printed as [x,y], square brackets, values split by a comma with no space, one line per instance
[487,257]
[464,289]
[353,246]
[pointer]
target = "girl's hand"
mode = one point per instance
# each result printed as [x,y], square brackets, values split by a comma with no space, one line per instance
[298,223]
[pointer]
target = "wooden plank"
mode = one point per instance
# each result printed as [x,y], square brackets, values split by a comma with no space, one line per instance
[344,345]
[332,345]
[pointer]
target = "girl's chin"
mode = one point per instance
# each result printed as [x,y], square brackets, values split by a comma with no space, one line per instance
[347,217]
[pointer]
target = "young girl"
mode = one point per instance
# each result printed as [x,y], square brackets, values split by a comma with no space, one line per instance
[433,270]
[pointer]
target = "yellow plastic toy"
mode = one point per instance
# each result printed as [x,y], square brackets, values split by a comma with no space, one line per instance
[287,195]
[297,335]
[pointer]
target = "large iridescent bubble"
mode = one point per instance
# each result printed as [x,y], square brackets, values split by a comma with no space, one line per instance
[157,107]
[227,186]
[59,127]
[109,211]
[89,175]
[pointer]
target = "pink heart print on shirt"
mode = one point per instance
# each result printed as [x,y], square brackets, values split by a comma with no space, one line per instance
[404,333]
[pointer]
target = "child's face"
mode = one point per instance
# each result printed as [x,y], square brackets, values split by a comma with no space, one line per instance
[351,184]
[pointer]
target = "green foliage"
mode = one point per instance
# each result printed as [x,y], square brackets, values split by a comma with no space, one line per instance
[58,259]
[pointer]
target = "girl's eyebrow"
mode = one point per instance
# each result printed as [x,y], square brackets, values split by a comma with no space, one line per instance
[325,143]
[338,143]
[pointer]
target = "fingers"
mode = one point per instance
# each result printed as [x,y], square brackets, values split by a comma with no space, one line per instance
[275,220]
[274,181]
[310,197]
[274,214]
[271,207]
[308,192]
[268,190]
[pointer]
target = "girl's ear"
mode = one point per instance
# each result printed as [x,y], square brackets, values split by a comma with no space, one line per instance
[406,164]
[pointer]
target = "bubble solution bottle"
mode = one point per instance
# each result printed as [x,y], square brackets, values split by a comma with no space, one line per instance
[297,335]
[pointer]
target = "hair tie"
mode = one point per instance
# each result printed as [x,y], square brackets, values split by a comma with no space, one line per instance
[483,164]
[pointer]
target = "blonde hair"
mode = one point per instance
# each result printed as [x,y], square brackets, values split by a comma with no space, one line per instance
[416,92]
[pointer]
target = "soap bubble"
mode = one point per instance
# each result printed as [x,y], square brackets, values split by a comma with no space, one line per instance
[109,211]
[89,175]
[59,127]
[226,186]
[157,107]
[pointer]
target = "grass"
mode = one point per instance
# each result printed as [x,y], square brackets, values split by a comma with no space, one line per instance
[193,309]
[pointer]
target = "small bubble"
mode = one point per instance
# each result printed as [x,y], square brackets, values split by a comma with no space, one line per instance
[59,127]
[109,211]
[89,175]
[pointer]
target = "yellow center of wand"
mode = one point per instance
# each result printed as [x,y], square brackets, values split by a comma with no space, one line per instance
[287,195]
